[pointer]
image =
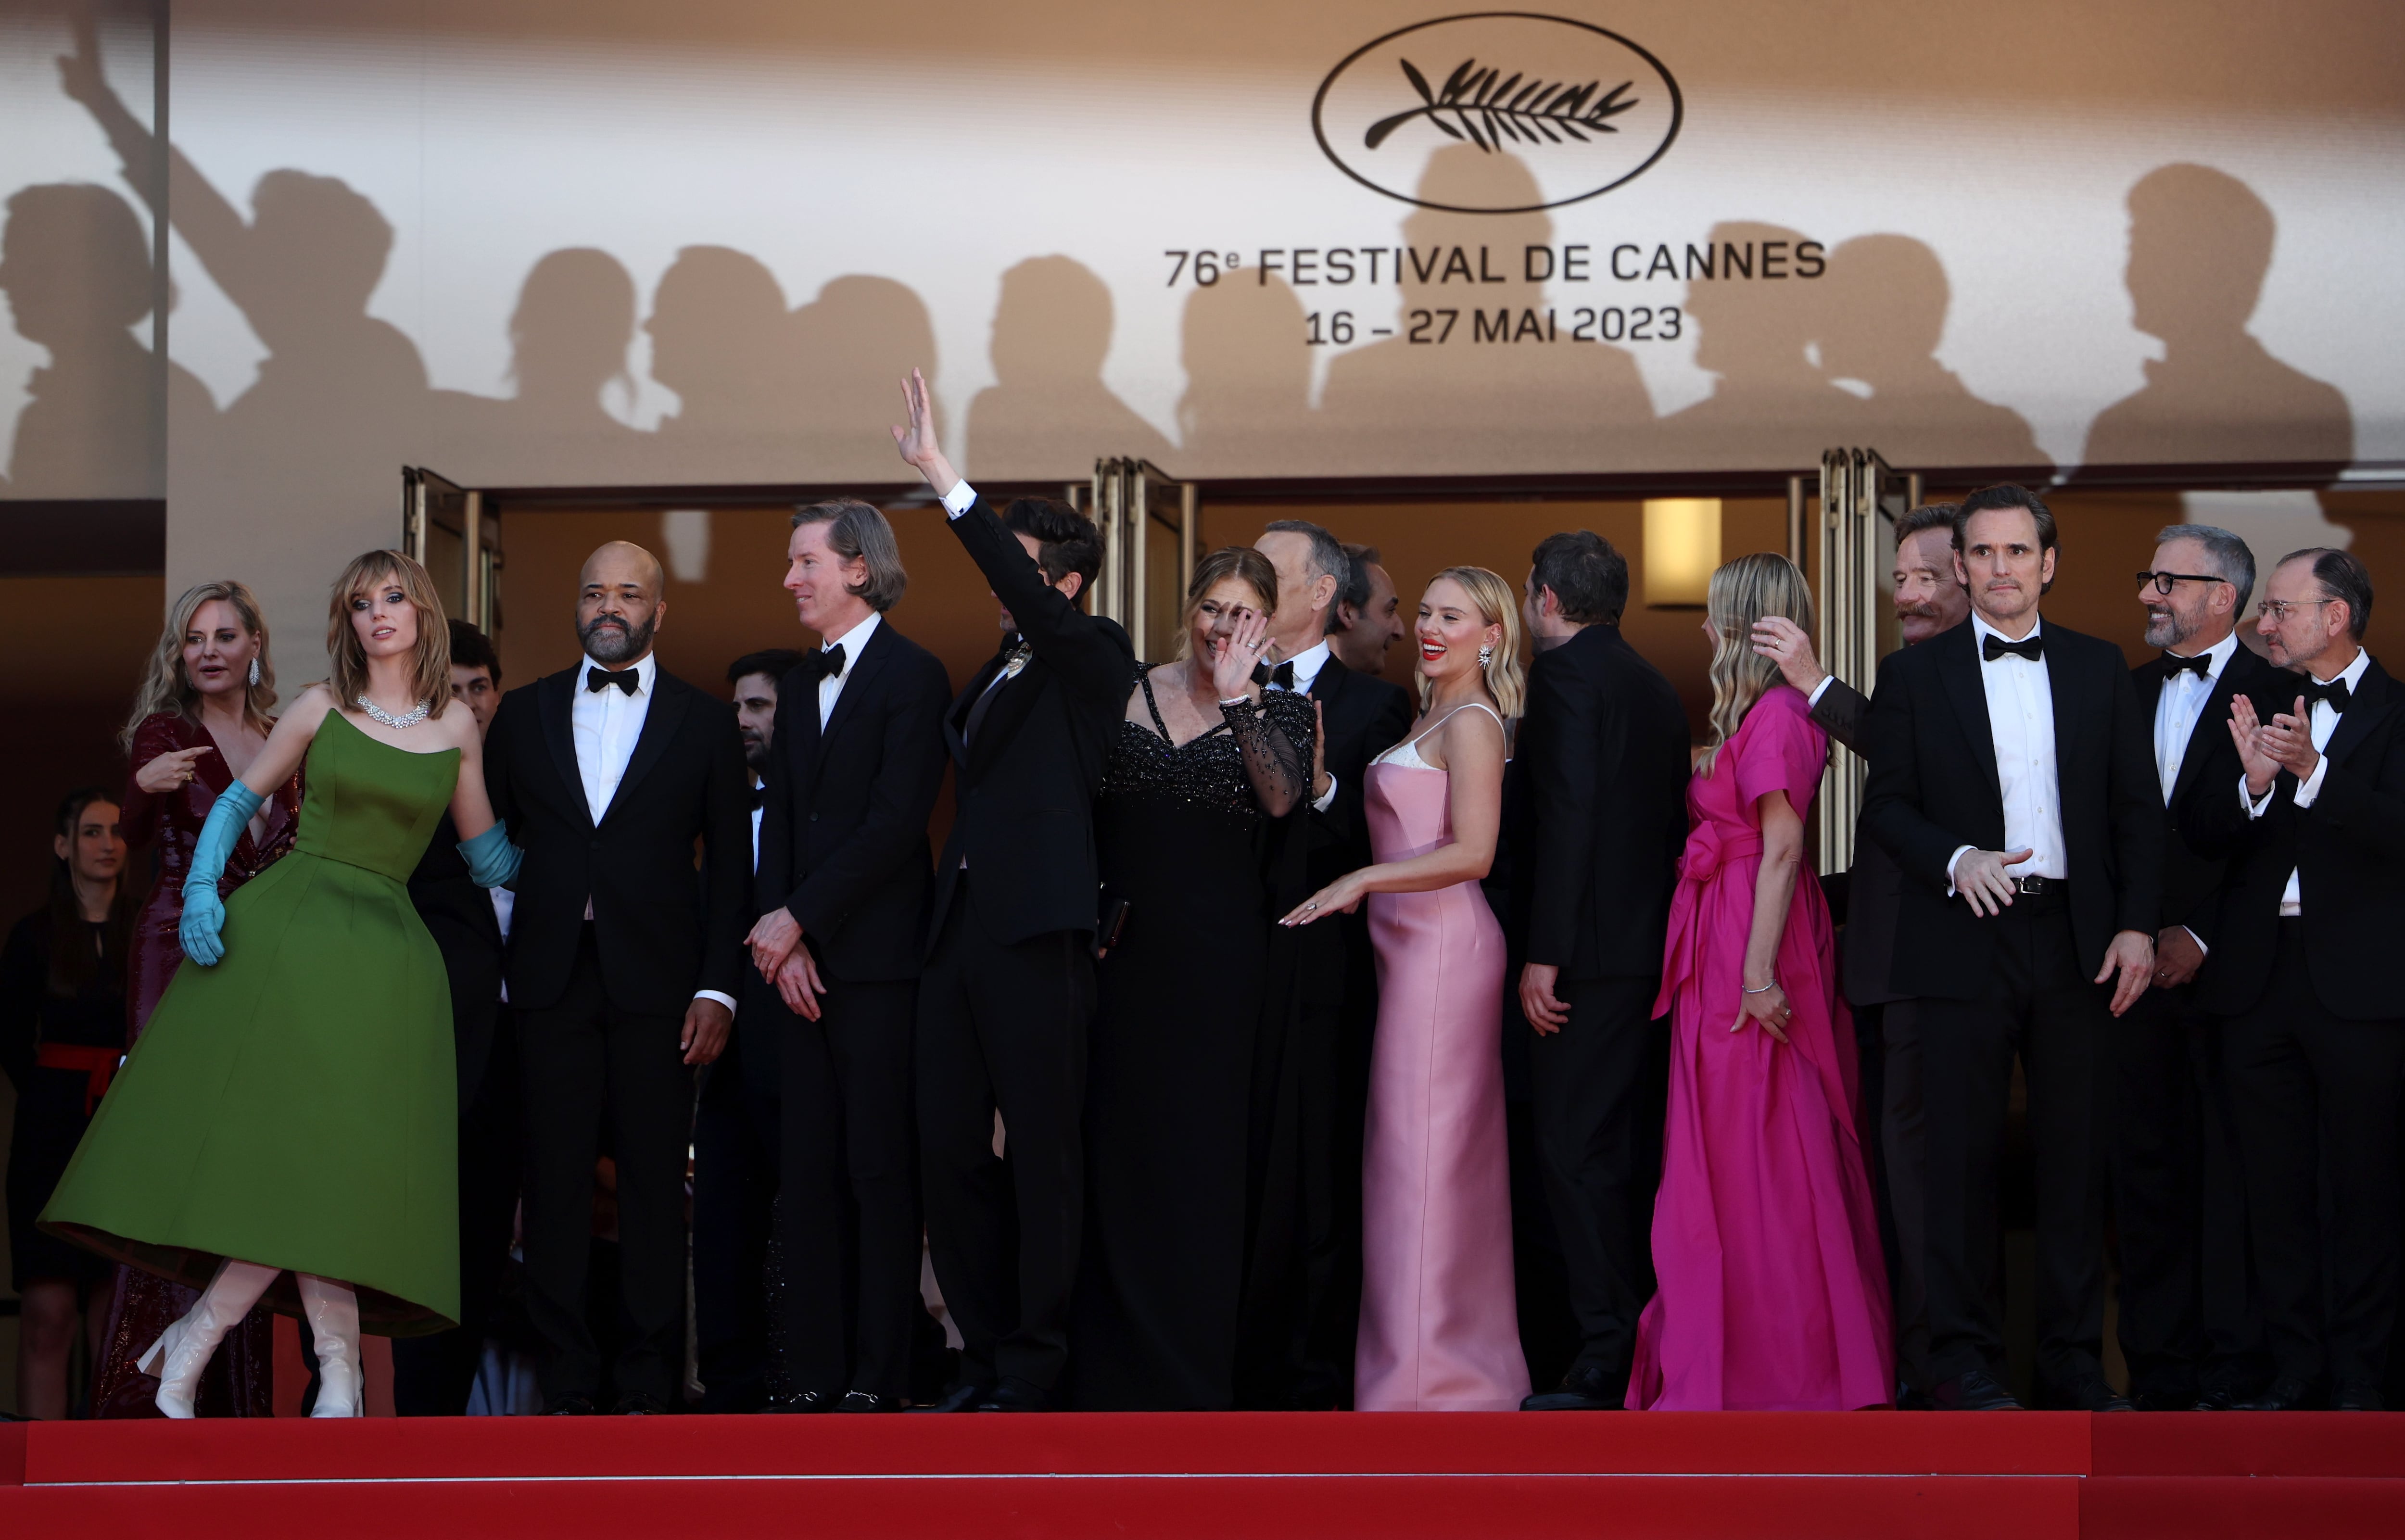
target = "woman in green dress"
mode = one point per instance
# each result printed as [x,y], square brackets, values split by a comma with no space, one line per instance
[286,1127]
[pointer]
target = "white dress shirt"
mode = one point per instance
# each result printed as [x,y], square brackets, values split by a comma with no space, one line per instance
[758,814]
[2020,721]
[606,724]
[853,642]
[1307,665]
[2325,724]
[2180,704]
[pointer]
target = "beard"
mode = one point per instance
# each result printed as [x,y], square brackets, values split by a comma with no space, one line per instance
[755,753]
[2165,628]
[607,639]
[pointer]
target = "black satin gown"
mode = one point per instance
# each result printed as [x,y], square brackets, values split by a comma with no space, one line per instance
[1179,827]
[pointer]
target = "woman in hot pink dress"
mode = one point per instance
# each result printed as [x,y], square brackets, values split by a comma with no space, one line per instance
[1772,1292]
[1440,1329]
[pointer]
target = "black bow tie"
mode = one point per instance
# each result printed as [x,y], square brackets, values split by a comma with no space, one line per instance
[628,680]
[1282,675]
[825,664]
[1995,647]
[759,795]
[2336,692]
[2200,665]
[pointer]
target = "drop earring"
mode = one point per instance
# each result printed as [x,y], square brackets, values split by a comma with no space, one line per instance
[1485,653]
[254,671]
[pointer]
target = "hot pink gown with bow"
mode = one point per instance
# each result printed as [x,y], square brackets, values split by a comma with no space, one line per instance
[1772,1291]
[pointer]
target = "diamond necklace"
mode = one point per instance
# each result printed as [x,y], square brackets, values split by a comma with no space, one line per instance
[407,719]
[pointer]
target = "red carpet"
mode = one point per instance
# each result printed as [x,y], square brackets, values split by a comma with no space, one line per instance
[1186,1478]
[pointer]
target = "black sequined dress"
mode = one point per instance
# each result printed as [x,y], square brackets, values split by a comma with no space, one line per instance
[1179,829]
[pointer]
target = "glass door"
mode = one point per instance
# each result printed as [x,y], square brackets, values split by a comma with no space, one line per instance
[455,534]
[1861,500]
[1151,526]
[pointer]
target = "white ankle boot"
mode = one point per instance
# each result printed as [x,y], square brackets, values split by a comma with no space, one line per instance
[333,1313]
[183,1349]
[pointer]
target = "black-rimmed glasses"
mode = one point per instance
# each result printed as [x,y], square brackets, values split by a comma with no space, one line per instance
[2163,580]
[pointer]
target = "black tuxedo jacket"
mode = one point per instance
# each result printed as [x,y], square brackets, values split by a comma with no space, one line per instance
[1934,787]
[843,822]
[1024,790]
[2192,880]
[1364,716]
[2345,849]
[663,932]
[1873,885]
[1604,750]
[459,914]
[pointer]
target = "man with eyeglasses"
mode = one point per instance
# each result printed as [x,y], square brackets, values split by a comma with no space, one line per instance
[2304,971]
[2186,1327]
[2011,779]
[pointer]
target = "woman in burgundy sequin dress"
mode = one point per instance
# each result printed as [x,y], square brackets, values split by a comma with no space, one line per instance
[200,716]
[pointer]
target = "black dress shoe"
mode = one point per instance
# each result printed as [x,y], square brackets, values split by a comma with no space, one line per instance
[1581,1389]
[569,1406]
[2355,1396]
[1978,1391]
[2286,1394]
[1013,1395]
[2219,1398]
[866,1401]
[802,1401]
[2094,1395]
[640,1405]
[960,1398]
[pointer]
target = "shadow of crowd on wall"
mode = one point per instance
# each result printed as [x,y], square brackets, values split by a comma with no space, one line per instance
[770,391]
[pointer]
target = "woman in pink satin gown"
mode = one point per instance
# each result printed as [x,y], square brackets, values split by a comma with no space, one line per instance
[1439,1328]
[1772,1292]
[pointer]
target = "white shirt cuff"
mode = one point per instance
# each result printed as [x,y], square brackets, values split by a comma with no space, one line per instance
[2313,783]
[712,994]
[2202,951]
[959,500]
[1819,690]
[1322,804]
[2254,805]
[1949,867]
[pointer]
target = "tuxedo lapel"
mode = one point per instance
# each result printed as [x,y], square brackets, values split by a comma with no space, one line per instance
[2213,719]
[2065,691]
[1959,665]
[964,704]
[660,725]
[556,703]
[2372,699]
[860,679]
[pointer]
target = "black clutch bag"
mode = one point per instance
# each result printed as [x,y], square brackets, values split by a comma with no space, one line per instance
[1110,919]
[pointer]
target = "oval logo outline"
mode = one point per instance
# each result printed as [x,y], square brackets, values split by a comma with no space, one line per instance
[1319,100]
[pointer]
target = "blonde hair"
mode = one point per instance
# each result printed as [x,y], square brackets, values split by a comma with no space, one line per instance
[1240,562]
[431,661]
[1498,604]
[166,691]
[1743,592]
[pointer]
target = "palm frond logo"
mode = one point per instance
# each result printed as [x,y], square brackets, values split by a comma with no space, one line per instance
[1480,104]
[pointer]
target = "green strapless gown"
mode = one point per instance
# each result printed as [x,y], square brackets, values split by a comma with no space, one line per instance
[297,1105]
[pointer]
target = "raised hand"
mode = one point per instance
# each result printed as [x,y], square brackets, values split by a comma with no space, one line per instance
[1784,643]
[2246,732]
[170,770]
[1234,652]
[80,74]
[916,440]
[2289,740]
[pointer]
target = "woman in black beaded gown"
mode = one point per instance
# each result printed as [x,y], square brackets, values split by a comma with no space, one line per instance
[1205,757]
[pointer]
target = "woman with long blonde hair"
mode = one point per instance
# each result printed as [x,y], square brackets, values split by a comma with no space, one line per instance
[1772,1292]
[292,1109]
[202,713]
[1440,1327]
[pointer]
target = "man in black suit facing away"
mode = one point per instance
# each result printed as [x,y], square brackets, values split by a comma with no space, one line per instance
[432,1376]
[735,1125]
[2302,971]
[2011,782]
[1929,599]
[1009,988]
[1604,748]
[2186,1325]
[855,766]
[1303,1288]
[623,966]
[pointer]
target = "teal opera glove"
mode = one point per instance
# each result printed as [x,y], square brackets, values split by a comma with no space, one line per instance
[492,860]
[203,920]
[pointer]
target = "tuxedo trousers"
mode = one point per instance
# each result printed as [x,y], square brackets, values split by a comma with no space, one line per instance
[848,1215]
[2179,1206]
[736,1134]
[592,1066]
[2316,1101]
[1599,1090]
[433,1376]
[1002,1028]
[2040,1004]
[1904,1134]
